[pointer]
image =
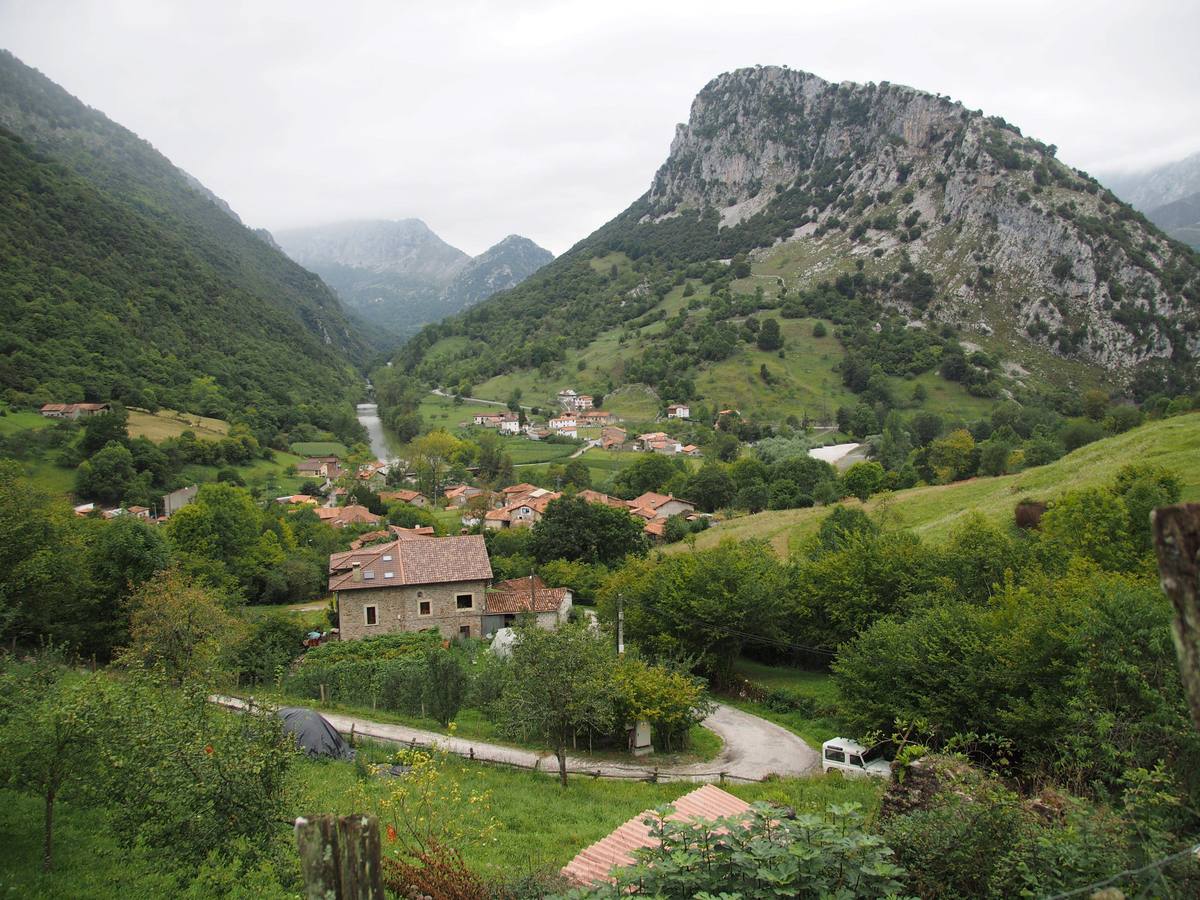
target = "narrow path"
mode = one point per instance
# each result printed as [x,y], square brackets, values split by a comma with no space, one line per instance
[753,749]
[440,393]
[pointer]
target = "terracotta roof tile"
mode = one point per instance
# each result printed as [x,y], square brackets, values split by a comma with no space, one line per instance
[513,596]
[431,561]
[595,863]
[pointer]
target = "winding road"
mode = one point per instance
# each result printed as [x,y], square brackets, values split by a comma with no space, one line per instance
[753,749]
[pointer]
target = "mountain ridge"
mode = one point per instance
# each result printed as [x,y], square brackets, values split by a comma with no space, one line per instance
[951,217]
[399,274]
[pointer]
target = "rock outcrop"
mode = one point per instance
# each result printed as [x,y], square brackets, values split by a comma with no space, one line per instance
[1016,241]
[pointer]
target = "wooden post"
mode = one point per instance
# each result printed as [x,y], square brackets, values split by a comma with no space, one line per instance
[322,693]
[1177,543]
[340,857]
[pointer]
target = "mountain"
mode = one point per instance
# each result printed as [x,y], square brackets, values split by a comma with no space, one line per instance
[1180,219]
[496,269]
[399,275]
[882,208]
[1169,195]
[1154,187]
[123,278]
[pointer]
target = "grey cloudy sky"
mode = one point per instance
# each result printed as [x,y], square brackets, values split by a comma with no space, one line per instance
[546,119]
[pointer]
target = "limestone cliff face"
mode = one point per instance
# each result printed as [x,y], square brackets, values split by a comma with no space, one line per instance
[1015,240]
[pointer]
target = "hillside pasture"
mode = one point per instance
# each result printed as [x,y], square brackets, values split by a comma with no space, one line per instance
[933,511]
[168,423]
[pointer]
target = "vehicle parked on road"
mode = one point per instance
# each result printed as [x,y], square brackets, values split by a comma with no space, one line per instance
[853,759]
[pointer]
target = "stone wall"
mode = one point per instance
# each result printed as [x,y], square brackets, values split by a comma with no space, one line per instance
[397,608]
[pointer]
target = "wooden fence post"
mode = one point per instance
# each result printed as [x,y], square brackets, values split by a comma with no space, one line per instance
[1177,543]
[340,857]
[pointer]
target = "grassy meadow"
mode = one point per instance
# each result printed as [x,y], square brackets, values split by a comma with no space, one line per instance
[167,423]
[933,511]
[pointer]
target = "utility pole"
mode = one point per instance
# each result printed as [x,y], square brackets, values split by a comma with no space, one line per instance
[620,625]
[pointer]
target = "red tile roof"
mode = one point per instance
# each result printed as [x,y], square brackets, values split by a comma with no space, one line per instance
[596,497]
[514,596]
[595,863]
[522,488]
[432,561]
[341,516]
[650,500]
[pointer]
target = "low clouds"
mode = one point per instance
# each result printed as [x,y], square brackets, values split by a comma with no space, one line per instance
[547,119]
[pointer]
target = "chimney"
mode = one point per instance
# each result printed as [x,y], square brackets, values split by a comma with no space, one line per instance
[356,568]
[531,603]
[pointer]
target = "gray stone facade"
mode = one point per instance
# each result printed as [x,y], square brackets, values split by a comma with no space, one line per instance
[399,608]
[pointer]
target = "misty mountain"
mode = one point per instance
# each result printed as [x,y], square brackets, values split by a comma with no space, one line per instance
[1168,195]
[123,278]
[836,195]
[399,275]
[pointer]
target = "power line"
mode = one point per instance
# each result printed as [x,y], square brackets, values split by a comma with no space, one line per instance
[1128,873]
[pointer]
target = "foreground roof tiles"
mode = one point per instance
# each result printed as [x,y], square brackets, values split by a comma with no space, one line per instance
[595,863]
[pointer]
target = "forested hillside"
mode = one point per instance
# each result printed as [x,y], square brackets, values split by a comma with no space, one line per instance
[120,280]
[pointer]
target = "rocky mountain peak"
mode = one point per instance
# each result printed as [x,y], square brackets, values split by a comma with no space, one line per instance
[1012,239]
[405,247]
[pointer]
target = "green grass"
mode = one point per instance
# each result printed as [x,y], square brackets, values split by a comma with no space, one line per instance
[320,448]
[933,511]
[167,423]
[805,381]
[542,826]
[315,619]
[264,474]
[633,403]
[89,864]
[443,412]
[471,724]
[818,687]
[525,452]
[449,520]
[12,422]
[48,477]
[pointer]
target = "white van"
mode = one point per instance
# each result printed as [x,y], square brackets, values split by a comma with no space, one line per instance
[853,759]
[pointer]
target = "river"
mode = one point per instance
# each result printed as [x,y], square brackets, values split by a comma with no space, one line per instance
[368,415]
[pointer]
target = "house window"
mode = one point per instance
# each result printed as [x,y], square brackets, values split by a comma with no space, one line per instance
[464,630]
[423,608]
[371,615]
[464,601]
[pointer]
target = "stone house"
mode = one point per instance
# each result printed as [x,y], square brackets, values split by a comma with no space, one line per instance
[412,585]
[319,467]
[177,500]
[679,411]
[72,410]
[659,506]
[612,437]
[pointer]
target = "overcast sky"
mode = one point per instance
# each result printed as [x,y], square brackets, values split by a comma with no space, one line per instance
[547,119]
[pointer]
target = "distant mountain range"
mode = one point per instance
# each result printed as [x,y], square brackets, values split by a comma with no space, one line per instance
[1168,195]
[399,275]
[124,278]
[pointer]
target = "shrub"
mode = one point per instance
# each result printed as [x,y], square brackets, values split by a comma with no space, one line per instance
[764,855]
